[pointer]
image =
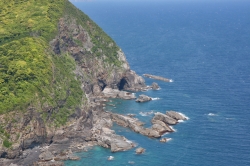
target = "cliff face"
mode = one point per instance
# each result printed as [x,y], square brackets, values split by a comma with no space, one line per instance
[58,76]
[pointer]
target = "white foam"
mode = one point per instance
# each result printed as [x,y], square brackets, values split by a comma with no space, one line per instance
[131,162]
[156,98]
[165,133]
[169,139]
[146,113]
[111,158]
[180,121]
[184,115]
[171,80]
[173,129]
[211,114]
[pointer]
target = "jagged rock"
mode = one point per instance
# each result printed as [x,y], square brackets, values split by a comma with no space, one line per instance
[149,132]
[140,150]
[132,82]
[164,118]
[175,115]
[160,126]
[46,156]
[143,98]
[134,124]
[155,86]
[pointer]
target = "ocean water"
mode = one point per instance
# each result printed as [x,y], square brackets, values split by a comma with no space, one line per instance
[205,48]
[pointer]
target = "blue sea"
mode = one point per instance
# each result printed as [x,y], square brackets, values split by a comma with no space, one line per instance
[204,46]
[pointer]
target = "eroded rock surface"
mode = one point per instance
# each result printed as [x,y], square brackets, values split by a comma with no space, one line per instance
[143,98]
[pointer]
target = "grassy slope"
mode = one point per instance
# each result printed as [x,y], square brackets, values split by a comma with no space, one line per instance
[30,74]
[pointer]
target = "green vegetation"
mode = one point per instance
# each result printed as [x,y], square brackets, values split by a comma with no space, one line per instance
[21,18]
[30,74]
[7,143]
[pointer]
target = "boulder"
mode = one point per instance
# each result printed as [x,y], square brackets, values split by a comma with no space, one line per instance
[175,115]
[140,150]
[46,156]
[143,98]
[155,86]
[164,118]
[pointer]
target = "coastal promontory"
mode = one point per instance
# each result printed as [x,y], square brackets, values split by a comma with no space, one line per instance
[57,67]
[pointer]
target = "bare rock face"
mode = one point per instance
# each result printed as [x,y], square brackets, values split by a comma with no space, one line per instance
[140,150]
[143,98]
[175,115]
[161,127]
[134,124]
[155,86]
[132,82]
[115,93]
[164,118]
[46,156]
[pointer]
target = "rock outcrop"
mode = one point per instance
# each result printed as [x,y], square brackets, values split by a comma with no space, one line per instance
[134,124]
[143,98]
[155,86]
[115,93]
[140,150]
[157,77]
[164,118]
[175,115]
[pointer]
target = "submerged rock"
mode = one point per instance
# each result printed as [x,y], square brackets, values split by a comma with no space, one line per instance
[165,139]
[143,98]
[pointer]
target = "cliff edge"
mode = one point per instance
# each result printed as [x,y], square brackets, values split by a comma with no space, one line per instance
[55,64]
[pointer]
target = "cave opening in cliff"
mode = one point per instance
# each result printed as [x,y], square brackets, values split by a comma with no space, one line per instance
[123,83]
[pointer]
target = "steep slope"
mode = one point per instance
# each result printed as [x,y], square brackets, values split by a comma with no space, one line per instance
[54,62]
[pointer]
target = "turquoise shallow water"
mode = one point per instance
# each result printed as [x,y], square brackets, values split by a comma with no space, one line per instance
[205,48]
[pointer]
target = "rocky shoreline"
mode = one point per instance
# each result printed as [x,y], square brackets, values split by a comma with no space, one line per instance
[35,136]
[80,137]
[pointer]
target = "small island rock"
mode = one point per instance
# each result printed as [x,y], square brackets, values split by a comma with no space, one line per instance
[143,98]
[155,86]
[140,150]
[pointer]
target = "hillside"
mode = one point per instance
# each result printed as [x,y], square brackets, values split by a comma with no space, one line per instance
[55,63]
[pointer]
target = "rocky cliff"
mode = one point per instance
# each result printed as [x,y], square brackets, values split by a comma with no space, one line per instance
[56,64]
